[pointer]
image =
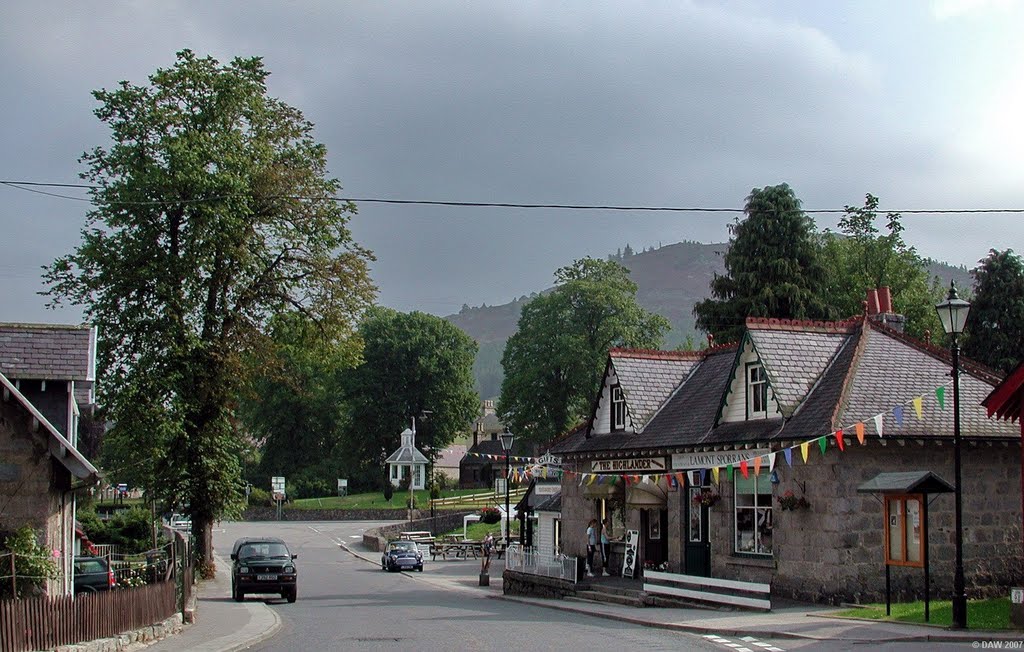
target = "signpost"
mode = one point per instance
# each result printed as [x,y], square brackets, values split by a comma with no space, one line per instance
[342,487]
[277,488]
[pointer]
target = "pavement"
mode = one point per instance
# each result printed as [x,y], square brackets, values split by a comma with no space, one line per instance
[223,626]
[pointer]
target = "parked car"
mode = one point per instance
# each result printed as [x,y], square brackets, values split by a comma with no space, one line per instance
[181,522]
[263,565]
[400,555]
[93,574]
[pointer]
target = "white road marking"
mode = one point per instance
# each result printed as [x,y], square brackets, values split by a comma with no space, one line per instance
[355,536]
[739,647]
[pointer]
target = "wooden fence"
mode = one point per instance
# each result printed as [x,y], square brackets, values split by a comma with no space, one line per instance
[46,622]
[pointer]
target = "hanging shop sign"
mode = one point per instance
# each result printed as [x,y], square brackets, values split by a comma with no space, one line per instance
[634,464]
[715,459]
[546,488]
[629,559]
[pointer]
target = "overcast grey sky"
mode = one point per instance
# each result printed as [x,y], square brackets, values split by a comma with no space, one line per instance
[648,103]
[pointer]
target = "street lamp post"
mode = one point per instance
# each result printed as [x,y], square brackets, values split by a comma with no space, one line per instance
[507,439]
[953,314]
[430,473]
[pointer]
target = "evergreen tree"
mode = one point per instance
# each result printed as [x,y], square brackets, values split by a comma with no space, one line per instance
[772,267]
[995,325]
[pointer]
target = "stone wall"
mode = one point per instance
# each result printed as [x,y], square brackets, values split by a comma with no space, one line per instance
[377,538]
[28,474]
[270,514]
[538,586]
[833,552]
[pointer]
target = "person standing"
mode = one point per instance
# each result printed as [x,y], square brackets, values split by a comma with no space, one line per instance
[591,545]
[486,549]
[606,530]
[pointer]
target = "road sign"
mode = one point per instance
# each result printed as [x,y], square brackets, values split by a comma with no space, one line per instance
[277,484]
[342,487]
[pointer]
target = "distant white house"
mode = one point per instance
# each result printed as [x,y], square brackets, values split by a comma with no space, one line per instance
[408,461]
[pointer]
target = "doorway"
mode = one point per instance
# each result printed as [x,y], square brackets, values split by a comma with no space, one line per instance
[655,529]
[697,556]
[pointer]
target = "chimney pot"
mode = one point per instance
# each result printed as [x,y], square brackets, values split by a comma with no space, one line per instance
[884,299]
[873,302]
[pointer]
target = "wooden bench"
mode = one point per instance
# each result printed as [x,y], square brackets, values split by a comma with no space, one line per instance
[752,595]
[460,549]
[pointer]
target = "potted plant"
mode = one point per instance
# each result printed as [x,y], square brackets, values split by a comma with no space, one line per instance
[706,498]
[789,502]
[490,515]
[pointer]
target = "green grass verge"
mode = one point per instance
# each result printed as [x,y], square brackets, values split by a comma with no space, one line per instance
[375,500]
[981,614]
[477,531]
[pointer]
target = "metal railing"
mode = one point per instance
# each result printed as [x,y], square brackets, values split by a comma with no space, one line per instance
[533,562]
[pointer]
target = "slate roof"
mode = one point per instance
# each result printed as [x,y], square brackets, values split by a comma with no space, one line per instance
[450,456]
[794,359]
[895,369]
[648,378]
[492,447]
[48,352]
[405,455]
[552,504]
[836,375]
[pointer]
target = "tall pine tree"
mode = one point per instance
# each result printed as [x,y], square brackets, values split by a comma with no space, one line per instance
[995,325]
[772,267]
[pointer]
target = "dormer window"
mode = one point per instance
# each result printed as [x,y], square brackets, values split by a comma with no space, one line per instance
[618,409]
[757,391]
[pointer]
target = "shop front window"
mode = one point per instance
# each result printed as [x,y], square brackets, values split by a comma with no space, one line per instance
[753,515]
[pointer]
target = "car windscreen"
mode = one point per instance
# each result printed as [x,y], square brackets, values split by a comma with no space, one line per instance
[83,566]
[403,546]
[263,551]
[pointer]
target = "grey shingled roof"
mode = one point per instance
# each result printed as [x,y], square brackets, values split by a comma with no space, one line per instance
[794,360]
[48,352]
[552,504]
[648,378]
[405,455]
[893,371]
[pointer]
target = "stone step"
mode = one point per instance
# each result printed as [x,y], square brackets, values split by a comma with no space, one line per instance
[612,598]
[611,589]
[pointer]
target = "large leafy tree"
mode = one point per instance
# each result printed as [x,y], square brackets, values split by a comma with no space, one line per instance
[772,267]
[996,321]
[212,212]
[553,364]
[863,259]
[415,365]
[292,407]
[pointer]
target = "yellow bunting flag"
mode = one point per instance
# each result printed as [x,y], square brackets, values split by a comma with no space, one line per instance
[860,432]
[917,406]
[757,465]
[591,478]
[805,449]
[714,474]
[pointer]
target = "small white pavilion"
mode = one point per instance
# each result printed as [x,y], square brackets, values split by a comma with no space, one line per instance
[407,460]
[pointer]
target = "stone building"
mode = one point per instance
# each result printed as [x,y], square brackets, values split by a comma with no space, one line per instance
[708,455]
[47,374]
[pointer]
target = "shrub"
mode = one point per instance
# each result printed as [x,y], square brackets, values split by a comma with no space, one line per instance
[259,497]
[33,564]
[389,490]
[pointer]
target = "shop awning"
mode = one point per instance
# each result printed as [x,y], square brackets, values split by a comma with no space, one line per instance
[648,495]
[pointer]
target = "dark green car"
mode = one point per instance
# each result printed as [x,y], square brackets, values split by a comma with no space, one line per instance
[263,565]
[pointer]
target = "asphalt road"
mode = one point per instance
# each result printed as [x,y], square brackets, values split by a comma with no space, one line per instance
[346,603]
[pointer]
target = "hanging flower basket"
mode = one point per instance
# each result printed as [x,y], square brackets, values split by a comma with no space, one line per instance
[490,515]
[706,498]
[789,502]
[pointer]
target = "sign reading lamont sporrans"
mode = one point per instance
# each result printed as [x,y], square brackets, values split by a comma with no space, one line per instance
[712,459]
[638,464]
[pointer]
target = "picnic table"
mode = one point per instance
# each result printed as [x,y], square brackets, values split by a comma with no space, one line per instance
[417,536]
[459,549]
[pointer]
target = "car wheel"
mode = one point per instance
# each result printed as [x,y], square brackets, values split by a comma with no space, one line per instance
[293,594]
[420,568]
[237,594]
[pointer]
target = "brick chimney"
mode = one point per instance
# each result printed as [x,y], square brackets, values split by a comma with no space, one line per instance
[879,309]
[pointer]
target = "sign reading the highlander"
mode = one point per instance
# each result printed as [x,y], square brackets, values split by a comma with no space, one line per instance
[634,465]
[712,459]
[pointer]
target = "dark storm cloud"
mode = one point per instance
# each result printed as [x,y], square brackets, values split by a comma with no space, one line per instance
[653,104]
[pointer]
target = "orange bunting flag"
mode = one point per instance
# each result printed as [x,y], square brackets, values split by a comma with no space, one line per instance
[757,465]
[743,469]
[917,406]
[839,439]
[681,478]
[860,432]
[805,449]
[714,474]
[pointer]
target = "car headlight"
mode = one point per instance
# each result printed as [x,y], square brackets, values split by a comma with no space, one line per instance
[243,569]
[289,569]
[419,556]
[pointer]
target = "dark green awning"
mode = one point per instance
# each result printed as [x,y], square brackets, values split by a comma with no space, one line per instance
[906,482]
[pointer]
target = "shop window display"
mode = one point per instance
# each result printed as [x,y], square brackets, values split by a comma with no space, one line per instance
[753,515]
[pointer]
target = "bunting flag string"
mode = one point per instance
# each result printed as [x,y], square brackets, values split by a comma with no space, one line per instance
[919,406]
[860,432]
[839,439]
[940,396]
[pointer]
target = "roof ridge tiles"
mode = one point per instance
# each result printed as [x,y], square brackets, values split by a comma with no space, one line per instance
[655,354]
[775,323]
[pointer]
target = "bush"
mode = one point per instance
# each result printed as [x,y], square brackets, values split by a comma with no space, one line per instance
[259,497]
[33,564]
[389,490]
[131,529]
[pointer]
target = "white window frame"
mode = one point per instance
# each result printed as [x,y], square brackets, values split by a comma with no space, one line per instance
[758,513]
[556,536]
[618,408]
[757,390]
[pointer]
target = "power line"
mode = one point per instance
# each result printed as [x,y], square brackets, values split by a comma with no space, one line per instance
[33,186]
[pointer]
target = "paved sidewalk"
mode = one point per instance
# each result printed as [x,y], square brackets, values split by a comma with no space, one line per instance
[222,625]
[803,621]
